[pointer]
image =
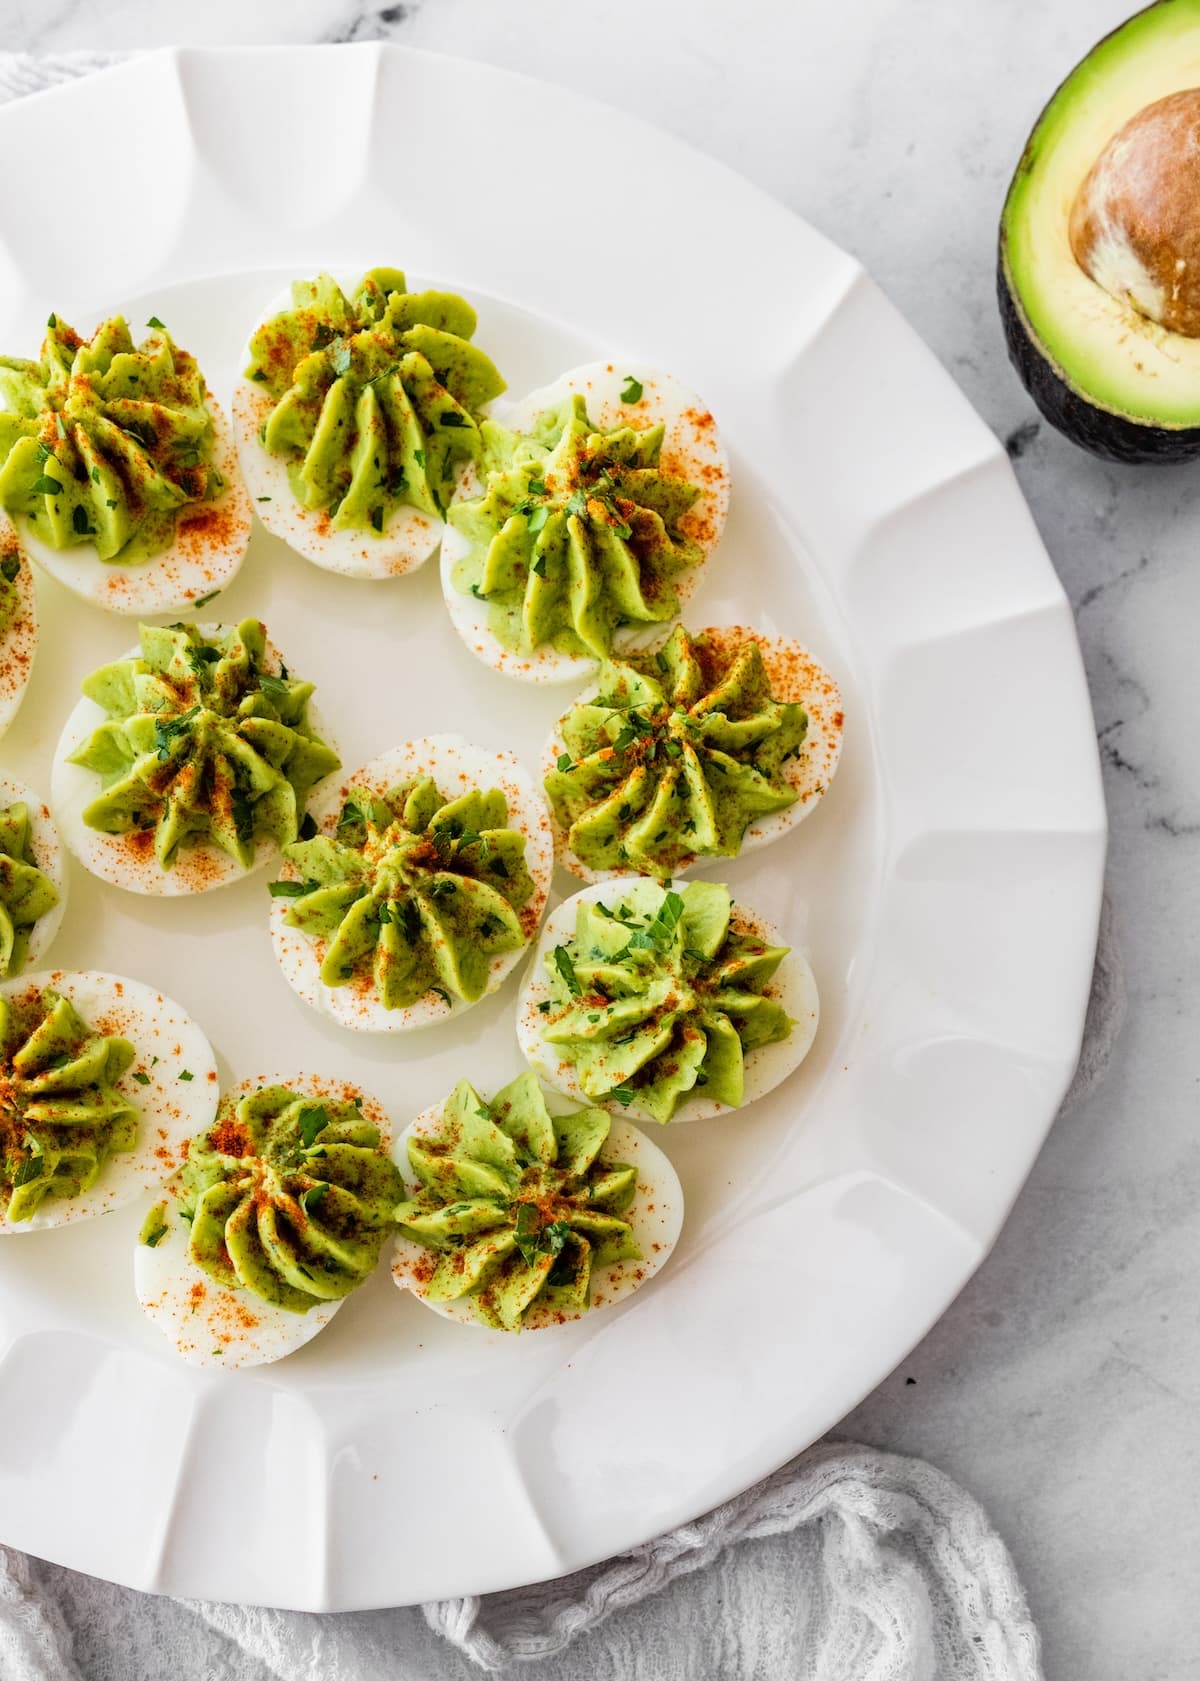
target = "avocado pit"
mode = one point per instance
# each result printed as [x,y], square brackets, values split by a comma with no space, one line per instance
[1135,222]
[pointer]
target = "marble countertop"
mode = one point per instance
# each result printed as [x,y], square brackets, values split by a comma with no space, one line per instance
[1061,1388]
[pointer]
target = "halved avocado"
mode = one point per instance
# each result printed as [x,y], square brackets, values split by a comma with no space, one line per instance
[1115,381]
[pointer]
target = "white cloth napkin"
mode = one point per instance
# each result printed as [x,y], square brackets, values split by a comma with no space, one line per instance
[895,1572]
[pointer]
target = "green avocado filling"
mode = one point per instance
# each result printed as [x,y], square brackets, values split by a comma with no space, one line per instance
[677,754]
[577,533]
[25,893]
[61,1115]
[376,396]
[414,891]
[658,998]
[517,1205]
[288,1197]
[10,595]
[103,442]
[203,745]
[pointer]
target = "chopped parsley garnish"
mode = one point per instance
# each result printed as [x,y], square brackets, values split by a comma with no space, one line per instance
[565,761]
[452,418]
[32,1168]
[291,889]
[9,567]
[243,815]
[141,1078]
[566,968]
[203,600]
[377,518]
[660,933]
[264,499]
[44,485]
[577,502]
[442,994]
[539,566]
[80,521]
[273,687]
[166,730]
[308,826]
[624,1094]
[312,1196]
[632,390]
[537,518]
[312,1121]
[544,1007]
[185,1074]
[156,323]
[419,457]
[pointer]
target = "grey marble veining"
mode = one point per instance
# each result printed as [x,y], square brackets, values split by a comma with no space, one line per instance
[1062,1387]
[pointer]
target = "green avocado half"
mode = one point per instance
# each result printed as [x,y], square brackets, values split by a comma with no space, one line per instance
[1115,381]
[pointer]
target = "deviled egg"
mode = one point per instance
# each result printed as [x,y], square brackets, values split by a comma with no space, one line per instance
[355,414]
[280,1211]
[18,622]
[705,747]
[597,501]
[518,1219]
[102,1083]
[669,1005]
[119,466]
[33,878]
[188,763]
[423,884]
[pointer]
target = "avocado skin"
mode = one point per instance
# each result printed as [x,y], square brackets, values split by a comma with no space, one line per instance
[1113,437]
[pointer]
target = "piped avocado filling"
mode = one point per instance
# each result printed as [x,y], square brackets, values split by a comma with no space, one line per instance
[577,532]
[26,895]
[414,892]
[287,1196]
[677,754]
[10,595]
[61,1115]
[203,744]
[659,998]
[104,441]
[376,396]
[518,1208]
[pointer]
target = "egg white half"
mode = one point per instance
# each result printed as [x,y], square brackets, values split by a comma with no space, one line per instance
[208,1323]
[207,551]
[18,642]
[169,1046]
[793,986]
[125,860]
[48,855]
[795,676]
[456,766]
[408,537]
[656,1217]
[692,449]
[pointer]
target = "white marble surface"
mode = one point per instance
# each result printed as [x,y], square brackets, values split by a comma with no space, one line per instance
[1062,1387]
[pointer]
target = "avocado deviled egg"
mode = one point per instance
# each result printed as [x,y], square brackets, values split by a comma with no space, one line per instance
[421,888]
[668,1005]
[189,762]
[119,468]
[518,1219]
[102,1082]
[280,1212]
[355,413]
[18,622]
[587,523]
[33,878]
[705,747]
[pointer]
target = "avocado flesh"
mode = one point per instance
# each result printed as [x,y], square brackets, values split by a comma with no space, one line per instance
[1111,358]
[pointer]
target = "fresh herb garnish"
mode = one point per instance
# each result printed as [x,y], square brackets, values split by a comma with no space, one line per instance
[273,687]
[624,1094]
[156,323]
[565,761]
[632,390]
[312,1121]
[313,1195]
[9,567]
[141,1078]
[660,933]
[203,600]
[377,518]
[291,889]
[452,418]
[80,521]
[44,485]
[566,968]
[185,1074]
[167,729]
[577,502]
[32,1168]
[308,826]
[536,519]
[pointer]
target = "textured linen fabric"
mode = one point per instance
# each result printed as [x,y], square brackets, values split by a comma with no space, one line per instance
[891,1571]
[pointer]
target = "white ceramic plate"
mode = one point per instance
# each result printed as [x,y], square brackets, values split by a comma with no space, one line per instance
[946,891]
